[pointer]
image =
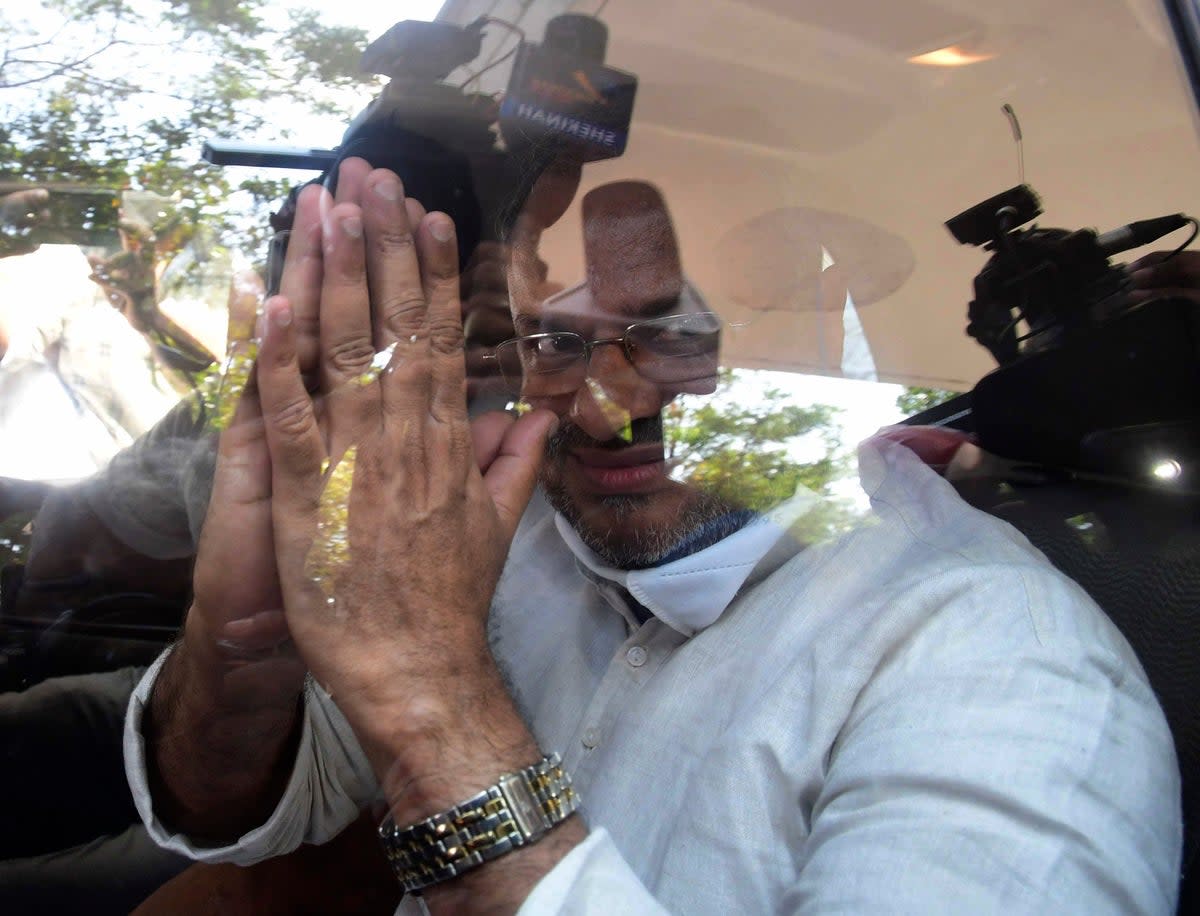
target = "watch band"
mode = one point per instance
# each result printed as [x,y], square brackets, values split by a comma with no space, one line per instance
[514,812]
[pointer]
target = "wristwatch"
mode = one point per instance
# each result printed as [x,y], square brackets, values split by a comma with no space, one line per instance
[518,810]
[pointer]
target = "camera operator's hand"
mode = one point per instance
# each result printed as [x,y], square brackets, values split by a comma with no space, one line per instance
[1163,274]
[20,213]
[941,448]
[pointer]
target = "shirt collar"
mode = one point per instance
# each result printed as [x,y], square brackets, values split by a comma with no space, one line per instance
[691,593]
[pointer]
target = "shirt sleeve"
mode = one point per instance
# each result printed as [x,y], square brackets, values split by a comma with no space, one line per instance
[1006,755]
[592,878]
[996,761]
[153,495]
[1003,759]
[331,782]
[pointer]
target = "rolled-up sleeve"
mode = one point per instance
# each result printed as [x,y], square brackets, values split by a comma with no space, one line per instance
[331,782]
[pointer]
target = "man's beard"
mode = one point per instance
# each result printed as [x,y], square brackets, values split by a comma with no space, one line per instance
[644,543]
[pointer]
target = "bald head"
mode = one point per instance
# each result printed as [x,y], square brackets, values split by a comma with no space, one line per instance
[632,254]
[644,343]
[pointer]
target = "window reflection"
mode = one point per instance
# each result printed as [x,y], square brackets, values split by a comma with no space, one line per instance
[710,244]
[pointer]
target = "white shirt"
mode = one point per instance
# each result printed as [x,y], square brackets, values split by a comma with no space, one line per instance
[922,716]
[77,382]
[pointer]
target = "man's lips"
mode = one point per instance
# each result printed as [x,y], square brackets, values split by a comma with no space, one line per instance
[634,469]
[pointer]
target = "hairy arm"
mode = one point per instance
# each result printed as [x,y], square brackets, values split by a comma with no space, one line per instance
[223,721]
[221,738]
[394,625]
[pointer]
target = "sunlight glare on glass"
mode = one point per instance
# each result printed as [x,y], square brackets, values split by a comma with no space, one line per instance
[950,56]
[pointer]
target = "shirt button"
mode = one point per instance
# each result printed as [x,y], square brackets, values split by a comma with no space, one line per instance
[591,737]
[636,656]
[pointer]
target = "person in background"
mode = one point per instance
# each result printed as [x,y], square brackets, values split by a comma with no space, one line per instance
[77,382]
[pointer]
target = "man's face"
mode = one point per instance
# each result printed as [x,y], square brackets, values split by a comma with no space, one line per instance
[605,468]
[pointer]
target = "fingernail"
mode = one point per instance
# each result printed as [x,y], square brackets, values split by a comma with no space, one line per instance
[442,229]
[268,317]
[281,314]
[388,189]
[239,627]
[353,227]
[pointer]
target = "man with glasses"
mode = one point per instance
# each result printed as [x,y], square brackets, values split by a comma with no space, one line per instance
[664,701]
[608,356]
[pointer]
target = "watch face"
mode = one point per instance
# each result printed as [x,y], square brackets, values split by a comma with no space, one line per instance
[530,816]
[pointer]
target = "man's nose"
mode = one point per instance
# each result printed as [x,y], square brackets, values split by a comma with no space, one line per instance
[613,394]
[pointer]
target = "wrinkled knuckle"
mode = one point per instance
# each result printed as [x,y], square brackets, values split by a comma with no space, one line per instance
[404,312]
[350,356]
[295,418]
[446,335]
[391,240]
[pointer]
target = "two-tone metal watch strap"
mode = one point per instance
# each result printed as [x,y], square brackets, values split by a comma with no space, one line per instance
[514,812]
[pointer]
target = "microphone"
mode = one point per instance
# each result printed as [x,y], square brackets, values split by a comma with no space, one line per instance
[561,94]
[1143,232]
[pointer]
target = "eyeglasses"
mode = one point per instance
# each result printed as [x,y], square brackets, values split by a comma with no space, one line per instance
[675,350]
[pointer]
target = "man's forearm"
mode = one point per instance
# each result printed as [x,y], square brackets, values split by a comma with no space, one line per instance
[348,875]
[220,738]
[434,749]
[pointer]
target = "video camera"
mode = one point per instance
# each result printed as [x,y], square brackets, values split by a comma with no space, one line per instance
[1057,281]
[1088,381]
[466,153]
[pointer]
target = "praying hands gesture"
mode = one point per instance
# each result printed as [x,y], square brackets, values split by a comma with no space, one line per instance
[391,524]
[390,517]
